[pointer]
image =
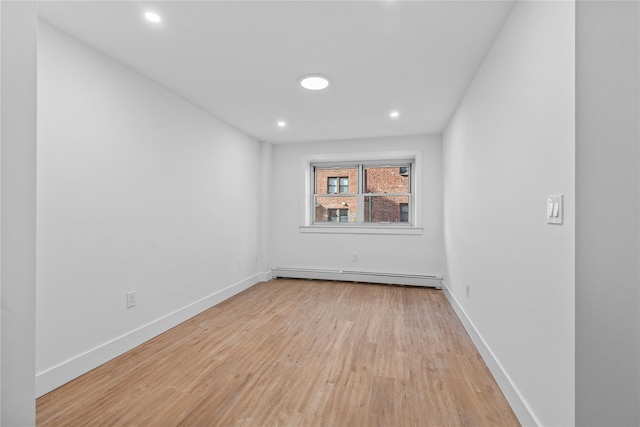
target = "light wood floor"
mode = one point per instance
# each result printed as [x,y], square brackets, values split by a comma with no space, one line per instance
[296,353]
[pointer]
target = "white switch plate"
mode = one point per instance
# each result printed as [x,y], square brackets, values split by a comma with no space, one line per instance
[555,209]
[131,299]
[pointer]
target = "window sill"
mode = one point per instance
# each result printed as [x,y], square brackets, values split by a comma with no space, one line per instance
[361,229]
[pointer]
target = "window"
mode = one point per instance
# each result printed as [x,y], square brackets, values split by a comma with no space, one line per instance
[404,212]
[335,194]
[376,193]
[338,185]
[338,215]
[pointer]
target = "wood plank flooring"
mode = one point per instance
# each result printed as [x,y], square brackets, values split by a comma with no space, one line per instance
[296,353]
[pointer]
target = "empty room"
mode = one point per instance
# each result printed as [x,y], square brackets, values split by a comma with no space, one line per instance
[340,213]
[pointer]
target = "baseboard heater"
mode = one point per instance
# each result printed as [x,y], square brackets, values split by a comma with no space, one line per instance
[358,276]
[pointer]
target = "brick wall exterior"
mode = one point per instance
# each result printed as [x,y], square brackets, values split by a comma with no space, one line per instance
[383,208]
[385,180]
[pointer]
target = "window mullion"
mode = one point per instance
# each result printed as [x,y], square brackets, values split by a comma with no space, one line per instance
[360,196]
[412,189]
[314,199]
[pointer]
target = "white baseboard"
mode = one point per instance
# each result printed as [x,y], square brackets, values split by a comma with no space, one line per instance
[266,276]
[358,276]
[56,376]
[518,404]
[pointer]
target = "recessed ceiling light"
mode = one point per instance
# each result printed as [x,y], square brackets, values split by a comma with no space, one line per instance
[314,82]
[153,17]
[281,124]
[394,114]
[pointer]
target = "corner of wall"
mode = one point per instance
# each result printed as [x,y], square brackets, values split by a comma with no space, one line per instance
[18,29]
[264,209]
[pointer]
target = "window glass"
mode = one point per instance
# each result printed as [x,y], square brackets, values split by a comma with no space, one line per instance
[386,180]
[337,215]
[404,212]
[336,180]
[333,198]
[332,185]
[362,194]
[336,209]
[385,208]
[344,185]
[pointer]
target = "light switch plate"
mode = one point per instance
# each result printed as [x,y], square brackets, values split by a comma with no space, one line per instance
[555,209]
[131,299]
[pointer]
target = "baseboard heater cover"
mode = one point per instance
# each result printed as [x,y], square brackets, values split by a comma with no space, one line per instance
[358,276]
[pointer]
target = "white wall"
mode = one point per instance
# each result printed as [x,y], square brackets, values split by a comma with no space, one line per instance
[508,146]
[18,214]
[264,199]
[607,235]
[409,254]
[137,191]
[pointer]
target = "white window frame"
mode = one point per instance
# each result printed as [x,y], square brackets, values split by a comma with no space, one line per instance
[381,158]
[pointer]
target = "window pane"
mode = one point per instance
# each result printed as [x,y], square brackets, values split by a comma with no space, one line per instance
[338,215]
[332,185]
[344,184]
[334,181]
[336,209]
[386,208]
[404,212]
[387,179]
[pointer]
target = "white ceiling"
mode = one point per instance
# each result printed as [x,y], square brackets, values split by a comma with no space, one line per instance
[242,60]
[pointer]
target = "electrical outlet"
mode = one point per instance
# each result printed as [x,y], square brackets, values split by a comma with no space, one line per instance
[354,257]
[468,289]
[131,299]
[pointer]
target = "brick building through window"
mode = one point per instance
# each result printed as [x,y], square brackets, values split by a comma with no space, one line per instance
[368,194]
[336,189]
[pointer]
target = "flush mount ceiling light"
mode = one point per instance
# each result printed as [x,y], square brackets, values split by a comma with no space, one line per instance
[314,82]
[282,124]
[152,17]
[394,114]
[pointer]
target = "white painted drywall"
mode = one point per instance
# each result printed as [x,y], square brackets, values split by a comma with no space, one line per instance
[264,198]
[508,146]
[408,254]
[608,213]
[18,226]
[138,190]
